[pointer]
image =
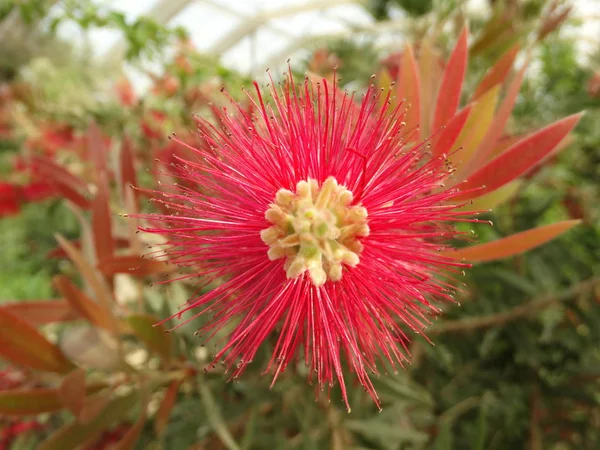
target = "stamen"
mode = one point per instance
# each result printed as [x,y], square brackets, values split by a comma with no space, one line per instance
[316,230]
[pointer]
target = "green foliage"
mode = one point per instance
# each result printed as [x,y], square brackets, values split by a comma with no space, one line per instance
[29,11]
[144,36]
[26,240]
[380,9]
[33,33]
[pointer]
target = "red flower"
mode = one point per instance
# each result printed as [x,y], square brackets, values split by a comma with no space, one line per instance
[152,124]
[13,429]
[109,439]
[38,191]
[11,378]
[323,226]
[10,428]
[9,199]
[52,138]
[13,195]
[594,85]
[168,86]
[125,92]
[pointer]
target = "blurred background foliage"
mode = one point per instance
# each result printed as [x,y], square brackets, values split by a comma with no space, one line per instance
[517,365]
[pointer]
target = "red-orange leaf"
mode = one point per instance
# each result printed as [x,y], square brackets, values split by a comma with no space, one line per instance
[42,312]
[505,142]
[518,159]
[409,88]
[134,265]
[59,252]
[161,420]
[68,185]
[514,244]
[22,344]
[478,123]
[430,72]
[127,167]
[101,223]
[498,72]
[96,148]
[72,391]
[93,405]
[448,96]
[93,311]
[490,139]
[89,274]
[442,144]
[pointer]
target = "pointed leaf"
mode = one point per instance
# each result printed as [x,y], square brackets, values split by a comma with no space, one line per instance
[25,402]
[72,391]
[518,159]
[96,313]
[97,150]
[512,245]
[498,73]
[94,405]
[163,414]
[497,29]
[448,96]
[134,265]
[128,178]
[153,335]
[133,223]
[68,185]
[443,143]
[488,143]
[74,434]
[22,344]
[553,21]
[42,312]
[478,122]
[89,274]
[430,73]
[127,164]
[59,252]
[505,142]
[101,223]
[409,88]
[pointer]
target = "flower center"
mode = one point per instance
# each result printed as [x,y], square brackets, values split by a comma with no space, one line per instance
[315,229]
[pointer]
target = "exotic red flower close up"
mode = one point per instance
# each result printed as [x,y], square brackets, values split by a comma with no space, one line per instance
[322,223]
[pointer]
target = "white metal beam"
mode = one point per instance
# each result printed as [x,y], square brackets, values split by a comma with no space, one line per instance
[261,19]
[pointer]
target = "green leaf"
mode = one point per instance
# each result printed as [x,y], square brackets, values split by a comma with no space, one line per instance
[481,428]
[29,401]
[444,439]
[153,335]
